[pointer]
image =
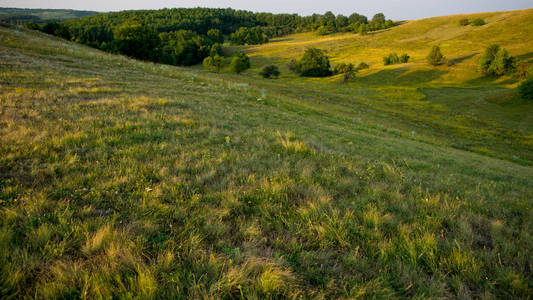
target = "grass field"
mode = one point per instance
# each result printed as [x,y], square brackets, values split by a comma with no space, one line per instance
[124,179]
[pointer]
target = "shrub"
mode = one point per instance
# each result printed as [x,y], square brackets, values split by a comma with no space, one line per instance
[215,62]
[348,76]
[524,71]
[314,63]
[464,22]
[270,71]
[391,59]
[525,89]
[478,22]
[294,66]
[435,57]
[343,68]
[404,58]
[362,66]
[239,63]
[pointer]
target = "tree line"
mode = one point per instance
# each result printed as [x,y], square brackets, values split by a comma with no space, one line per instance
[186,36]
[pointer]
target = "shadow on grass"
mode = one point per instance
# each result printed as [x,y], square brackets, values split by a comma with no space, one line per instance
[490,80]
[281,40]
[526,57]
[461,59]
[402,76]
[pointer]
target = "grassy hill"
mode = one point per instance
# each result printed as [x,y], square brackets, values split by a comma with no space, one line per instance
[18,16]
[120,178]
[484,113]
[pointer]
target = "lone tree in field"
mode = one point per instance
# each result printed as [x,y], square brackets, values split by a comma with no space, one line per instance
[496,61]
[240,63]
[215,62]
[314,63]
[270,71]
[435,57]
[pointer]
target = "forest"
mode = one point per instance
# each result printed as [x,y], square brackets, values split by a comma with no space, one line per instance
[186,36]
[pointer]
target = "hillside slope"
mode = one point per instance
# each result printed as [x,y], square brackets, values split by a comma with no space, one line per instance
[120,178]
[462,45]
[451,105]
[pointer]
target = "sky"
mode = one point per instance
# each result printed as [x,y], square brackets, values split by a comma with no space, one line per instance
[393,9]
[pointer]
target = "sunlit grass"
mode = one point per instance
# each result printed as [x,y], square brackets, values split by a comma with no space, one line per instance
[123,179]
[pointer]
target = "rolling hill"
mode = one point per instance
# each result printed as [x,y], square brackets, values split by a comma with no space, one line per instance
[19,16]
[127,179]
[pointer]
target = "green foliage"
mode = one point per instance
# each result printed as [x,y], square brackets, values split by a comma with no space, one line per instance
[391,59]
[524,71]
[215,35]
[240,63]
[404,58]
[496,61]
[362,66]
[363,29]
[215,62]
[525,89]
[435,56]
[478,22]
[464,22]
[294,66]
[136,40]
[270,71]
[56,29]
[343,68]
[249,36]
[314,63]
[33,26]
[185,48]
[502,64]
[216,49]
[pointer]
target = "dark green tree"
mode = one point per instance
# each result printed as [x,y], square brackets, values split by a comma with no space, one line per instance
[487,58]
[435,56]
[314,63]
[136,40]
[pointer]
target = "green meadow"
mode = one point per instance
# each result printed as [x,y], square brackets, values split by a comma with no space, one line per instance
[122,179]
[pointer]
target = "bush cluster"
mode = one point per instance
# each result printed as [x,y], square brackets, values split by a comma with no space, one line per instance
[393,59]
[270,71]
[496,61]
[314,63]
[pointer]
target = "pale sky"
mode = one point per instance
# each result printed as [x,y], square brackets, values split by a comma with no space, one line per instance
[394,9]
